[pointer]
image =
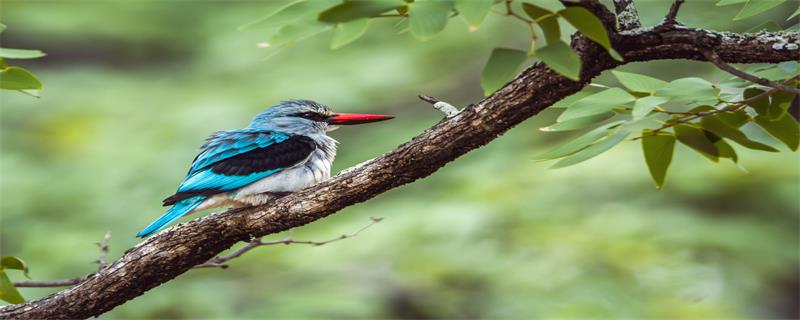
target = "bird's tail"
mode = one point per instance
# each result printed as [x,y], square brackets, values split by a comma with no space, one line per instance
[178,210]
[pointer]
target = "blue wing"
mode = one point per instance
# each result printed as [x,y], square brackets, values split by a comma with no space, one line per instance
[225,144]
[234,159]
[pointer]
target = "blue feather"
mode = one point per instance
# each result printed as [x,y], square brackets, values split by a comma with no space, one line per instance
[178,210]
[207,179]
[226,144]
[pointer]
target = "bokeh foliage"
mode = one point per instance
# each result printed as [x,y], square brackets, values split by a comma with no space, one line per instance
[134,87]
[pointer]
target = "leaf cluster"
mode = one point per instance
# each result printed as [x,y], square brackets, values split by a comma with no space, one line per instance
[17,78]
[701,115]
[424,19]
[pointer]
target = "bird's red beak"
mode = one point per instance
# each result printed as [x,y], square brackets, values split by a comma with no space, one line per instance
[355,118]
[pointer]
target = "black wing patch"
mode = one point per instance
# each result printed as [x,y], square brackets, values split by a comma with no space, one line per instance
[275,156]
[188,194]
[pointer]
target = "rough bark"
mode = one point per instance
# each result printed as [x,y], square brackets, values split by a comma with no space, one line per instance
[171,253]
[627,16]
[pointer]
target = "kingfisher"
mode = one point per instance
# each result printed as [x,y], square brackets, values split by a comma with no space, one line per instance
[284,149]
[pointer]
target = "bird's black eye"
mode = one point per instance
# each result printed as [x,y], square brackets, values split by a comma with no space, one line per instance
[313,116]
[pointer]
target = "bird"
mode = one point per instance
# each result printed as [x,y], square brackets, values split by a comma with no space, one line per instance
[285,148]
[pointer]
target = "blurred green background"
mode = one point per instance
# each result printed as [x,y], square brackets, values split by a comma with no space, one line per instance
[133,88]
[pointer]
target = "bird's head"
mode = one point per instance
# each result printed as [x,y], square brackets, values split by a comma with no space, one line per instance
[307,117]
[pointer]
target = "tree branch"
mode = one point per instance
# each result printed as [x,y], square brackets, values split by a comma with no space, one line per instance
[627,16]
[103,245]
[714,58]
[177,249]
[673,12]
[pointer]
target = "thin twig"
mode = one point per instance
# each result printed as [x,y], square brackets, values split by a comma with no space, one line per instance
[219,261]
[528,22]
[101,261]
[627,16]
[510,12]
[673,12]
[49,284]
[446,108]
[103,245]
[428,99]
[716,60]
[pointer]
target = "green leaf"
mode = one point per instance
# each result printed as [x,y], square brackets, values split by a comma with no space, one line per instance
[579,123]
[726,151]
[549,26]
[473,11]
[796,13]
[428,17]
[703,108]
[347,32]
[297,31]
[401,26]
[593,150]
[578,143]
[696,139]
[760,105]
[11,262]
[791,68]
[534,11]
[718,127]
[16,78]
[20,53]
[638,82]
[549,5]
[769,26]
[2,27]
[352,10]
[729,2]
[588,24]
[601,102]
[560,57]
[289,13]
[8,292]
[784,129]
[754,7]
[776,73]
[780,102]
[658,150]
[734,119]
[615,55]
[501,67]
[569,100]
[551,30]
[689,90]
[643,106]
